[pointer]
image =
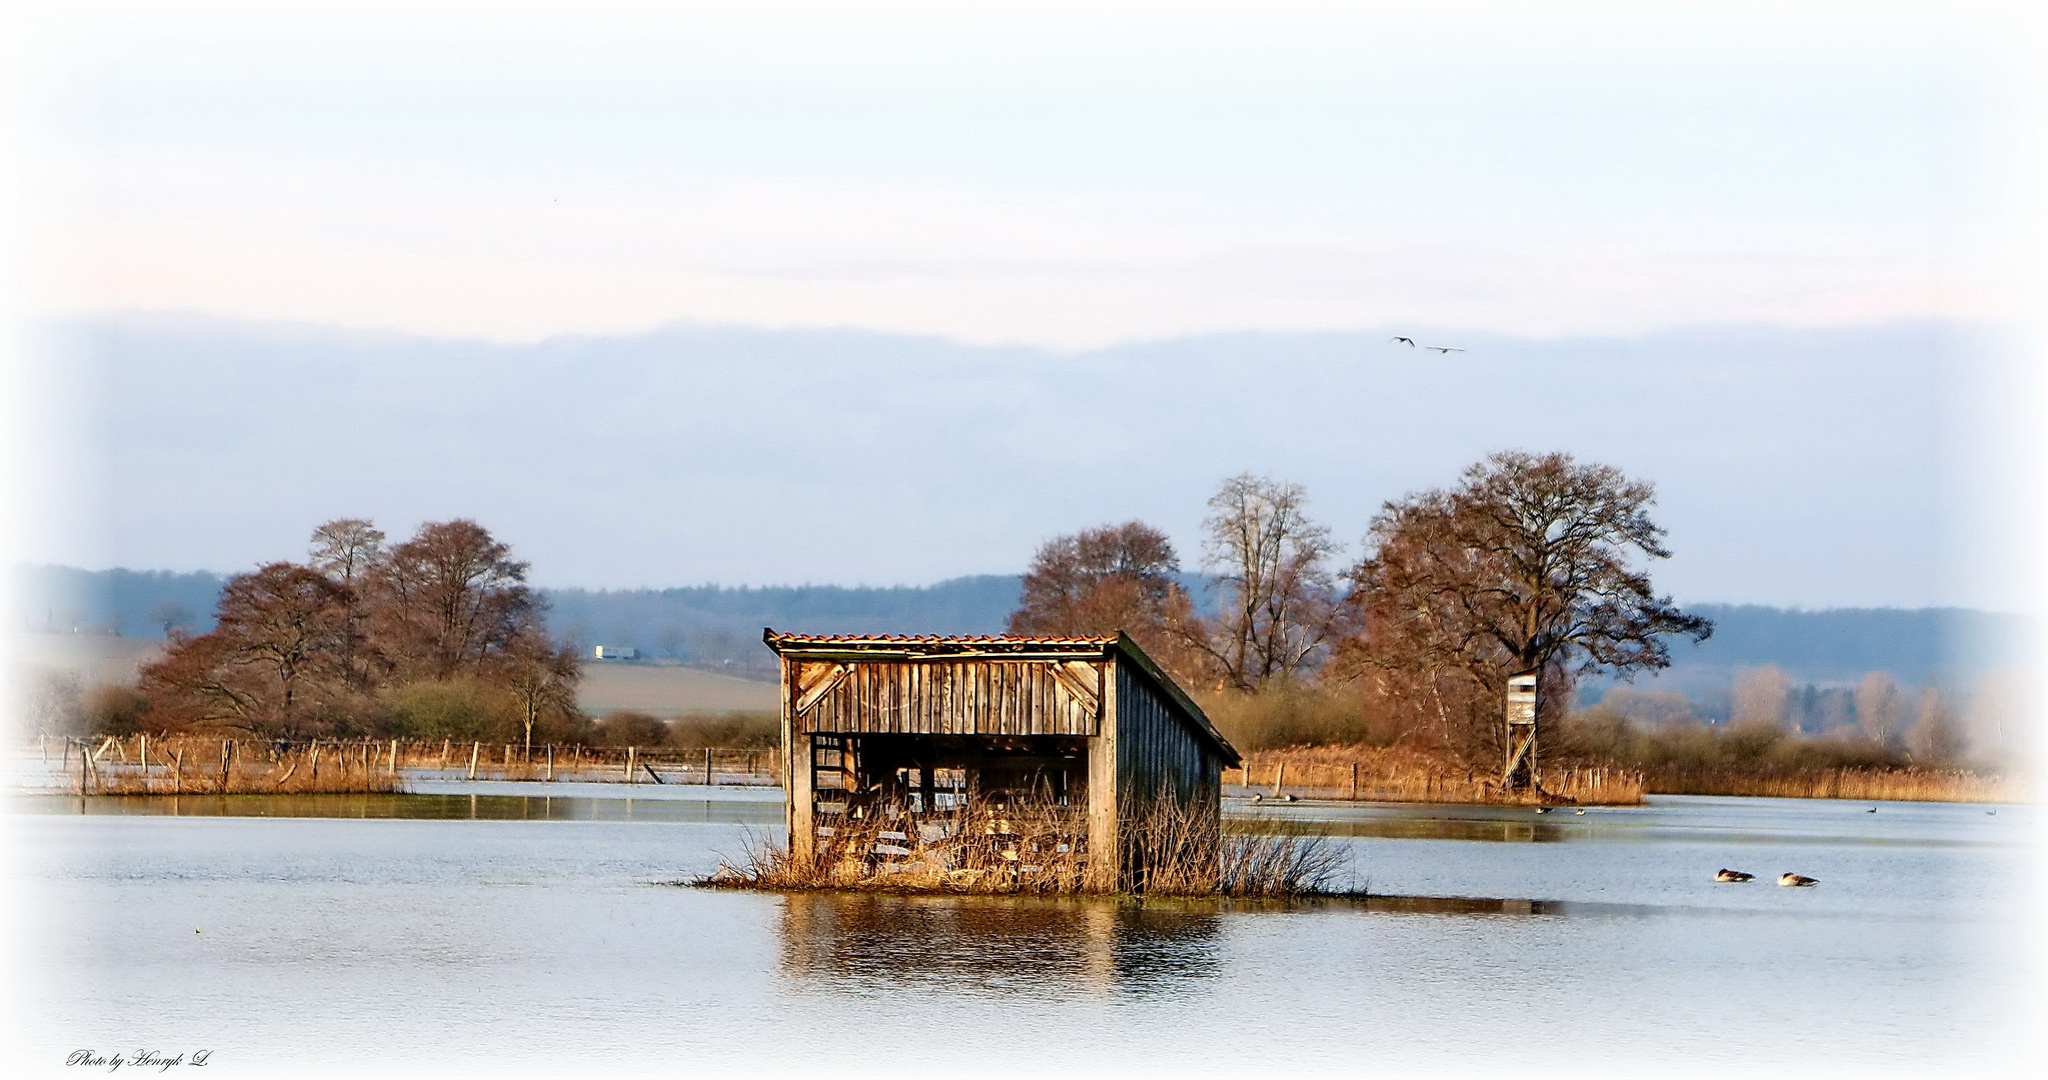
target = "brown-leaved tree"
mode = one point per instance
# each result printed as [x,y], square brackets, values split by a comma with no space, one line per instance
[1529,563]
[372,639]
[1102,580]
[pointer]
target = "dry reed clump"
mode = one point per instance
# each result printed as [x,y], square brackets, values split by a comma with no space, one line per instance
[1180,851]
[1019,849]
[1173,850]
[1399,774]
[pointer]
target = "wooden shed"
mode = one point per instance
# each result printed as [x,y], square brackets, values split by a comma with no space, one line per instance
[924,730]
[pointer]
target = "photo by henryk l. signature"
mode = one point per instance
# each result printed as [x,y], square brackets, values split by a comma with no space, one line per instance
[136,1059]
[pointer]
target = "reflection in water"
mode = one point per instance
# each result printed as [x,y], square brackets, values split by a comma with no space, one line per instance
[1492,824]
[412,807]
[982,945]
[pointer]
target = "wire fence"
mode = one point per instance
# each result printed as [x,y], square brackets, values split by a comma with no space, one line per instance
[195,764]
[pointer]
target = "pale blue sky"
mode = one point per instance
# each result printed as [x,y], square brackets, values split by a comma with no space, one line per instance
[1059,179]
[1632,181]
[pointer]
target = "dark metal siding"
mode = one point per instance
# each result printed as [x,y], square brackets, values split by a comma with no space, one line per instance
[948,697]
[1157,746]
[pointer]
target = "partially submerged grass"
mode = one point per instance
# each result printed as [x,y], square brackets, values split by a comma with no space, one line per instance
[198,765]
[1171,850]
[1395,774]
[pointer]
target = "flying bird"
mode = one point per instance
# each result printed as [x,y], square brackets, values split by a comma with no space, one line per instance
[1410,342]
[1801,880]
[1445,349]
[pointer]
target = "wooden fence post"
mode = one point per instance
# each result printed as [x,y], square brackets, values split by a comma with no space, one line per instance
[1279,778]
[227,755]
[551,761]
[143,753]
[394,757]
[1354,781]
[631,753]
[475,748]
[708,774]
[444,753]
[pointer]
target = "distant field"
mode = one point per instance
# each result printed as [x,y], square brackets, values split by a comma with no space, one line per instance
[94,658]
[664,690]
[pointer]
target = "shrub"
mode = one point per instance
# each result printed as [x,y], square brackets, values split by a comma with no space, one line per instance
[1287,713]
[737,730]
[628,728]
[114,710]
[452,709]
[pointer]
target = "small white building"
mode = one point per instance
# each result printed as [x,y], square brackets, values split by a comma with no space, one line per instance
[614,652]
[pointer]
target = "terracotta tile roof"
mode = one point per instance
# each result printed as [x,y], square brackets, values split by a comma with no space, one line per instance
[934,639]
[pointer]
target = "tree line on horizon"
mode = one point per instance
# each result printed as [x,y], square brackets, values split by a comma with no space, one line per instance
[1529,562]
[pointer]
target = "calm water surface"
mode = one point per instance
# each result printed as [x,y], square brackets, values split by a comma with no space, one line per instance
[500,931]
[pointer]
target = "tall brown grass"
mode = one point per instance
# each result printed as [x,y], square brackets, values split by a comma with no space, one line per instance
[1397,774]
[1173,850]
[1901,785]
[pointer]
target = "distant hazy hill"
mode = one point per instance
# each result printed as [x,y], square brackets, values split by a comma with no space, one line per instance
[718,625]
[66,600]
[1792,465]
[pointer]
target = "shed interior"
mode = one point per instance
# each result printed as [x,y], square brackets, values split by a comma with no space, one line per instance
[921,788]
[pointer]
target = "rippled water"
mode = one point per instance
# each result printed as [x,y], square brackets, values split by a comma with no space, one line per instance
[498,931]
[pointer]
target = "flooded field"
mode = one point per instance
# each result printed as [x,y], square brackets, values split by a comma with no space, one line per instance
[494,928]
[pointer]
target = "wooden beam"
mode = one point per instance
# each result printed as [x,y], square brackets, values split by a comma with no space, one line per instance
[817,680]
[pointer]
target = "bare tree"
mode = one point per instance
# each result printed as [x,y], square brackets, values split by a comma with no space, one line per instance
[1760,695]
[1527,564]
[50,700]
[171,617]
[1935,737]
[449,599]
[1880,708]
[1279,601]
[346,549]
[542,677]
[349,551]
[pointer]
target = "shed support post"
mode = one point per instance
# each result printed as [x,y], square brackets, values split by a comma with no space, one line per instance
[803,835]
[797,776]
[1105,859]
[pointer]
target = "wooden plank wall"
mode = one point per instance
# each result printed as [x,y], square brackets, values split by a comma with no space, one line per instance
[950,697]
[1156,748]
